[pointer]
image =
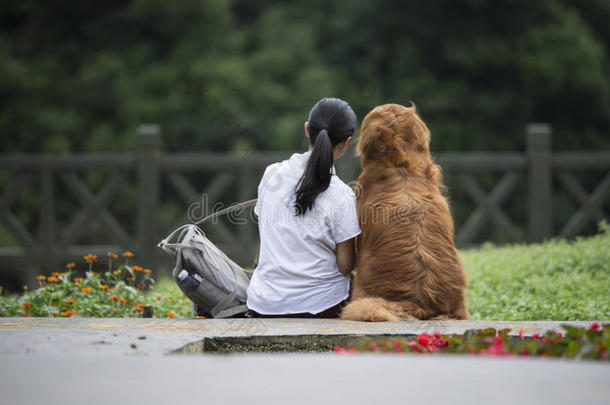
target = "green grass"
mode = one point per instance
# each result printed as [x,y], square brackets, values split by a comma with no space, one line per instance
[557,280]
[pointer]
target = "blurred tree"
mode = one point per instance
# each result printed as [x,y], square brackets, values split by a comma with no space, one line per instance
[223,75]
[478,70]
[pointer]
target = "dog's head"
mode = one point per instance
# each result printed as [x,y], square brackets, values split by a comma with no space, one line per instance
[394,135]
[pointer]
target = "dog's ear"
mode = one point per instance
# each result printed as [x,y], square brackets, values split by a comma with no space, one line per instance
[379,142]
[376,141]
[369,140]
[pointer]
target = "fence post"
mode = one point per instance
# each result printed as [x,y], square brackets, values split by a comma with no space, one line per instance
[149,138]
[539,181]
[48,226]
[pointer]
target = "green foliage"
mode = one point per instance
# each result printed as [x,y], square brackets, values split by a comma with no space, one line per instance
[221,73]
[577,343]
[120,293]
[557,280]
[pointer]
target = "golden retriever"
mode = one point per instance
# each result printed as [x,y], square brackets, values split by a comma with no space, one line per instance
[407,267]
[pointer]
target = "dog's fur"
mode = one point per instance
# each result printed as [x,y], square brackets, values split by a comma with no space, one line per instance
[407,266]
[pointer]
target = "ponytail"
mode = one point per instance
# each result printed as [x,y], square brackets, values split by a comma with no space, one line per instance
[331,121]
[316,177]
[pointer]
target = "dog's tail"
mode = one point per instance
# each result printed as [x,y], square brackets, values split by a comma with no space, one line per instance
[376,309]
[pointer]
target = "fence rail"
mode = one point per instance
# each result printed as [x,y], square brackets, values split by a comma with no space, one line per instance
[44,244]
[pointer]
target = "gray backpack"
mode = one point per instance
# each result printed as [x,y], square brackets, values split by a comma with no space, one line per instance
[222,293]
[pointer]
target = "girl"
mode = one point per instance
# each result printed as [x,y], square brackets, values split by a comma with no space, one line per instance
[307,223]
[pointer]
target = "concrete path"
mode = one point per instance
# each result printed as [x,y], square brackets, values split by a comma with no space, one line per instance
[107,361]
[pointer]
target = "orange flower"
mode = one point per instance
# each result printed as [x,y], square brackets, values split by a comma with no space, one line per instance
[27,305]
[139,309]
[90,258]
[137,268]
[114,298]
[52,279]
[131,278]
[85,289]
[68,314]
[112,255]
[27,315]
[103,287]
[64,308]
[78,279]
[123,301]
[147,271]
[41,278]
[115,310]
[54,313]
[70,301]
[171,315]
[54,304]
[127,254]
[70,265]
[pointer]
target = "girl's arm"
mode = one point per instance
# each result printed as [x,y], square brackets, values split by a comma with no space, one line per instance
[346,256]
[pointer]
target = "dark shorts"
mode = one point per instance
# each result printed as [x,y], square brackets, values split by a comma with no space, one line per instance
[332,312]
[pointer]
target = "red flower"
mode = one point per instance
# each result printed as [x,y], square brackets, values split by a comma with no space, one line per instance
[423,339]
[594,326]
[397,346]
[437,335]
[521,333]
[536,336]
[373,346]
[341,350]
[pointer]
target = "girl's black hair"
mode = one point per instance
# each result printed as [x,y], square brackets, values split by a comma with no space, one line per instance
[331,121]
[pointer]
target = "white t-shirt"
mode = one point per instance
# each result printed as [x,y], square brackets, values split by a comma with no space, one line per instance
[297,270]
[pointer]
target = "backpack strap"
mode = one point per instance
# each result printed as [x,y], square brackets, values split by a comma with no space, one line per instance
[229,312]
[172,248]
[228,210]
[166,243]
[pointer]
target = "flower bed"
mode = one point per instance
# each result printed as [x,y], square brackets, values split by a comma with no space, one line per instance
[591,343]
[122,290]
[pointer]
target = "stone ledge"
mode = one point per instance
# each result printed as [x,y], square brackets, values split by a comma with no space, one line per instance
[133,336]
[277,326]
